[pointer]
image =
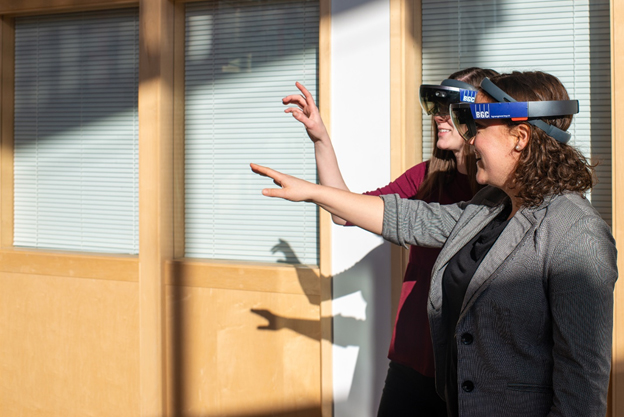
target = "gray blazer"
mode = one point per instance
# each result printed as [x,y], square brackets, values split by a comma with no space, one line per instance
[534,335]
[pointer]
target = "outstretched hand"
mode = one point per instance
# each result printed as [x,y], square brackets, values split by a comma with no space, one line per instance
[307,113]
[364,211]
[292,188]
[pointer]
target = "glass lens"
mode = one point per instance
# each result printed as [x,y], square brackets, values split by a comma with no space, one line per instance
[429,107]
[433,108]
[435,100]
[463,121]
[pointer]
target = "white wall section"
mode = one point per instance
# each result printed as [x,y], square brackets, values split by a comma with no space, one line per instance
[360,83]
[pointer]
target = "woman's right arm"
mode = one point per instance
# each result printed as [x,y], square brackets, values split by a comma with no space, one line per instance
[361,210]
[326,162]
[402,221]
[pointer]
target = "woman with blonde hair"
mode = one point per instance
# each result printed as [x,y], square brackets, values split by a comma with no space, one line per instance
[447,177]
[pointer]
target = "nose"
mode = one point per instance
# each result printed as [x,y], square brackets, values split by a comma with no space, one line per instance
[439,117]
[471,141]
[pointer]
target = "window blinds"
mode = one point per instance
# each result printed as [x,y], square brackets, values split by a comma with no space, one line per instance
[76,132]
[567,38]
[242,57]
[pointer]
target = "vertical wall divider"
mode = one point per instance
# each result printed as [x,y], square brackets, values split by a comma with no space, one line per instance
[325,222]
[616,393]
[156,57]
[7,89]
[178,129]
[405,120]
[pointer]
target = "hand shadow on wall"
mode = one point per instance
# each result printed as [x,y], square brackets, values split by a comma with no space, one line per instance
[366,285]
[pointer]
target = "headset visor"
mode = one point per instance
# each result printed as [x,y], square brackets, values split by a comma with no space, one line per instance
[465,116]
[464,123]
[435,99]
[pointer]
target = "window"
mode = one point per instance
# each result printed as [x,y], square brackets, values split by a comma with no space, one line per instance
[242,57]
[567,38]
[76,132]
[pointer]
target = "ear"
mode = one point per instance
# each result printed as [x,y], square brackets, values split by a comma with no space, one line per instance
[522,132]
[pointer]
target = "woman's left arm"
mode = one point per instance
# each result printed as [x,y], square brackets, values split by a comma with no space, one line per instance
[582,276]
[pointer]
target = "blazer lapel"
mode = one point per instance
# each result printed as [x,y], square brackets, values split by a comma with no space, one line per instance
[467,228]
[509,240]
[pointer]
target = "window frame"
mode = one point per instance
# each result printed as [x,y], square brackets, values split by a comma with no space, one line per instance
[160,261]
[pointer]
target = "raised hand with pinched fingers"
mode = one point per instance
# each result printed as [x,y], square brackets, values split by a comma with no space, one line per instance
[307,113]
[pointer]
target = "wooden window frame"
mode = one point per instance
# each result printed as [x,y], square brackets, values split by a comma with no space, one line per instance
[616,392]
[161,198]
[39,261]
[405,127]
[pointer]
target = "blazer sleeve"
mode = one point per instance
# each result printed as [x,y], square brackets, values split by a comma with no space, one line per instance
[414,222]
[581,279]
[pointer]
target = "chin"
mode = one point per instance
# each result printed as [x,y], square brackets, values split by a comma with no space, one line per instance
[443,146]
[449,144]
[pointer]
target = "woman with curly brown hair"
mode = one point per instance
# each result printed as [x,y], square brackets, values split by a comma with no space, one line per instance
[521,298]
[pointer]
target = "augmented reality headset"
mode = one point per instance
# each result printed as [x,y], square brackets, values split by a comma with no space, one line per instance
[435,99]
[464,116]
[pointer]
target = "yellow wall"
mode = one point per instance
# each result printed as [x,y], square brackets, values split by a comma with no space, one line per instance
[222,360]
[69,346]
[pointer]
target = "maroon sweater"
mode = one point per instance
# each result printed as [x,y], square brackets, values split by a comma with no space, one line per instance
[411,340]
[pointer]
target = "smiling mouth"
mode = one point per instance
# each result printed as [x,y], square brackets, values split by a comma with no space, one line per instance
[444,130]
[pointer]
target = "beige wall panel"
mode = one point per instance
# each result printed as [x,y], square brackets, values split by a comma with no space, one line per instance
[68,347]
[79,265]
[240,353]
[246,276]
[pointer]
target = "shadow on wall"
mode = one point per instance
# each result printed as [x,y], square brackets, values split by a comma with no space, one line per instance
[361,322]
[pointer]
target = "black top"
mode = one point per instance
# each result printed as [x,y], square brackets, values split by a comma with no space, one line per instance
[455,281]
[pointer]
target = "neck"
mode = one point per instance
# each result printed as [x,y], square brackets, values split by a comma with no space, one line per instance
[515,203]
[460,162]
[514,208]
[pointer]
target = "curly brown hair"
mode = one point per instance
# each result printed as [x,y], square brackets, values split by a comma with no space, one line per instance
[442,164]
[546,166]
